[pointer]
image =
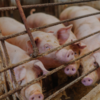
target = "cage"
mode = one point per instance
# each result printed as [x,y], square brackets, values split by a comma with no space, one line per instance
[56,85]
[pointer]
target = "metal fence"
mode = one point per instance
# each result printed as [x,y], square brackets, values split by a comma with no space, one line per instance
[8,66]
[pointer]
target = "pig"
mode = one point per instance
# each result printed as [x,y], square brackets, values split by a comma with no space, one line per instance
[26,72]
[84,27]
[64,35]
[92,10]
[43,41]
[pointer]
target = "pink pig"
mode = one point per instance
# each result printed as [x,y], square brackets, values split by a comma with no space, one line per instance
[26,72]
[43,41]
[84,27]
[64,35]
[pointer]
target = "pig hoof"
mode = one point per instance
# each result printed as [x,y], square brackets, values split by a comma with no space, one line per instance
[87,81]
[70,70]
[37,96]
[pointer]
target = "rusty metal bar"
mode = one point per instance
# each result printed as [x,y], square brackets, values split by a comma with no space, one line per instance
[43,54]
[45,5]
[8,64]
[44,76]
[70,84]
[3,86]
[46,26]
[35,50]
[3,75]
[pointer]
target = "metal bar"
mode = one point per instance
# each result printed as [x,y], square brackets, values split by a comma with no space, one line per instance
[44,76]
[45,5]
[11,70]
[27,28]
[46,26]
[8,64]
[70,84]
[4,73]
[4,88]
[43,54]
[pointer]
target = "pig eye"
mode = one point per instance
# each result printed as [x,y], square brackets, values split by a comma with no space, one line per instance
[95,64]
[47,47]
[75,53]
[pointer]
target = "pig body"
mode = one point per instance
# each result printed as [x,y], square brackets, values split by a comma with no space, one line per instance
[92,10]
[64,35]
[26,72]
[84,27]
[43,41]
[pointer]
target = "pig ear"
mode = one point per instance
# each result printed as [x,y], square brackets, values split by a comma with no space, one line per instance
[20,73]
[39,67]
[29,45]
[80,45]
[64,33]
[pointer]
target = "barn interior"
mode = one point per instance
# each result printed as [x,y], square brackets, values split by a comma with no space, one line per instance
[67,88]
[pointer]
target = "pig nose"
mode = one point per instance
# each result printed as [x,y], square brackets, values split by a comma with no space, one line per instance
[87,81]
[70,70]
[70,55]
[37,96]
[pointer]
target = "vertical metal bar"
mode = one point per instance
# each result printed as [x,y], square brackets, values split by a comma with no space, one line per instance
[12,71]
[3,85]
[2,13]
[35,50]
[8,64]
[3,74]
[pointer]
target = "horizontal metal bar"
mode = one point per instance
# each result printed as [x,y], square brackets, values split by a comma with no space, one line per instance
[50,51]
[44,5]
[38,28]
[44,76]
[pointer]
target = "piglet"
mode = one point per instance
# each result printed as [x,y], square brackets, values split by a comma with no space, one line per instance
[44,41]
[64,35]
[26,72]
[84,27]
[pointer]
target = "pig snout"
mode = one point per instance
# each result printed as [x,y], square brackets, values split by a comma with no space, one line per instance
[70,70]
[37,96]
[87,81]
[65,55]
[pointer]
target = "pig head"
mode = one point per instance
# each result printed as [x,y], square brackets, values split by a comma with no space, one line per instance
[65,35]
[46,42]
[90,62]
[25,74]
